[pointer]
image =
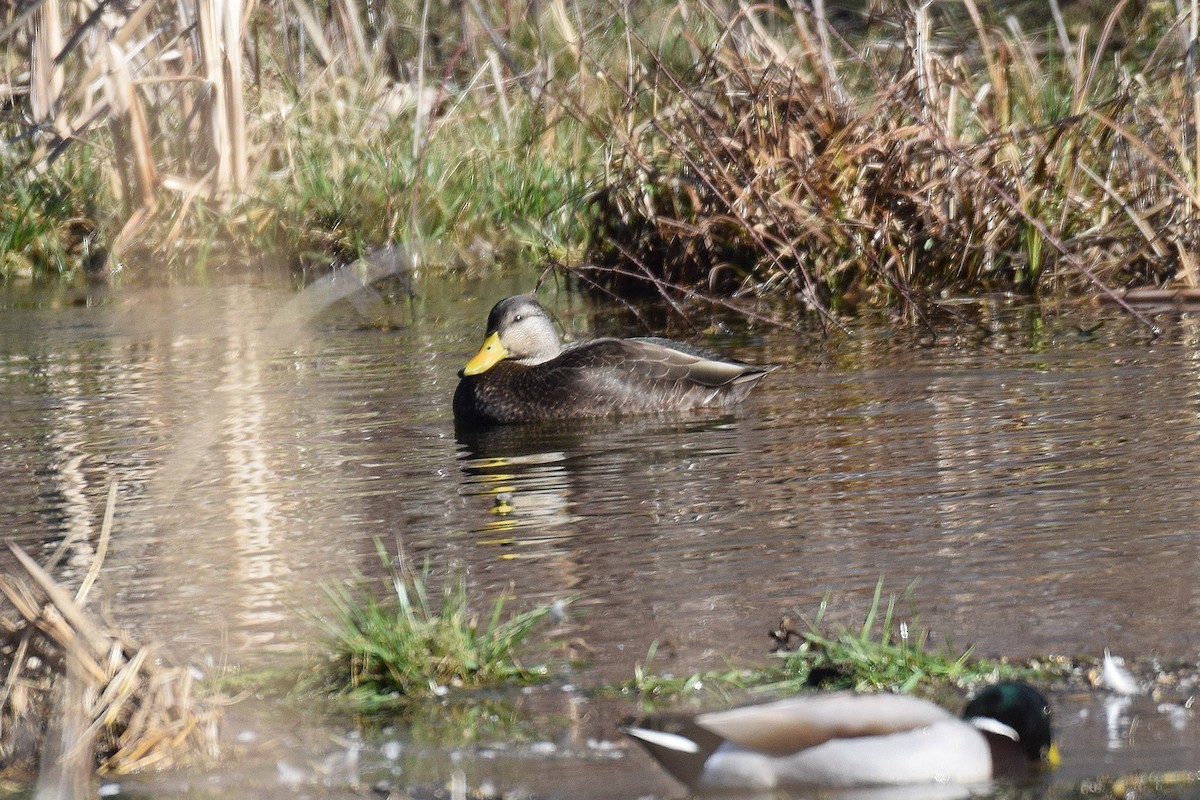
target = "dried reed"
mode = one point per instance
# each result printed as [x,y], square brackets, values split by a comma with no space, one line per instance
[184,105]
[107,700]
[732,150]
[887,171]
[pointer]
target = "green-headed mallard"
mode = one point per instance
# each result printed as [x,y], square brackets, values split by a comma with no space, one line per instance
[522,373]
[845,740]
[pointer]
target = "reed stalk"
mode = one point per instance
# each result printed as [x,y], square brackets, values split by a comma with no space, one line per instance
[131,135]
[47,80]
[220,54]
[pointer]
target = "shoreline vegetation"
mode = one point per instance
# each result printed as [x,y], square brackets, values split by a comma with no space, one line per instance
[786,161]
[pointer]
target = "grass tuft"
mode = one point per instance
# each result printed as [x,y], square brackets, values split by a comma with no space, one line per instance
[650,685]
[419,641]
[48,224]
[884,653]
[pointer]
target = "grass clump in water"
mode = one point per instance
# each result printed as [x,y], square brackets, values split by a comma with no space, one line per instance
[651,685]
[418,642]
[885,653]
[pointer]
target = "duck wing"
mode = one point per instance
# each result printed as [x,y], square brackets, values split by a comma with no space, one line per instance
[660,361]
[789,726]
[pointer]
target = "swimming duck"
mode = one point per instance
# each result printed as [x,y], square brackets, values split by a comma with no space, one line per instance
[522,373]
[849,741]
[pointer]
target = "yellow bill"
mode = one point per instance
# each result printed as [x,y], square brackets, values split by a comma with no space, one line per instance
[489,355]
[1053,756]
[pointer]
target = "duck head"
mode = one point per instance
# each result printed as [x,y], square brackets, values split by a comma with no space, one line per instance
[518,329]
[1017,712]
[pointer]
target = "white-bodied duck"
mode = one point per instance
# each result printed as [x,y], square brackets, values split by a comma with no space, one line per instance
[842,740]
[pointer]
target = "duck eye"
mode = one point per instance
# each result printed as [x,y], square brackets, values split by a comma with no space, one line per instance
[518,317]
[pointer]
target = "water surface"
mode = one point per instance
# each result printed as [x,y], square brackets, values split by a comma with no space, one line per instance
[1040,486]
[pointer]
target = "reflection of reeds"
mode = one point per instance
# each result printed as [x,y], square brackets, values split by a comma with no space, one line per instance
[107,699]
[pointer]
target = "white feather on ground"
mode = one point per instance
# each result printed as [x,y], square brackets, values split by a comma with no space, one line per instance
[1114,676]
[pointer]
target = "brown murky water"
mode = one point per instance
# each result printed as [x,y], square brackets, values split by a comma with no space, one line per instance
[1041,486]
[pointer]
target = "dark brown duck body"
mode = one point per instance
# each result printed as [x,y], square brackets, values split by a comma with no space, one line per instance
[522,374]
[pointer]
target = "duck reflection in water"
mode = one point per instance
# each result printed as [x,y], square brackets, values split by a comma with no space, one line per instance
[549,474]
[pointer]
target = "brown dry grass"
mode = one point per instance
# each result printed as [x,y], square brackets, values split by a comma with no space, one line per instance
[729,150]
[905,167]
[80,695]
[307,127]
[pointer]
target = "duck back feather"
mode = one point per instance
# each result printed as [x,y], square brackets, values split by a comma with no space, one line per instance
[846,741]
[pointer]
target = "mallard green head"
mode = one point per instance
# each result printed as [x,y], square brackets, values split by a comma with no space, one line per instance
[1018,712]
[519,329]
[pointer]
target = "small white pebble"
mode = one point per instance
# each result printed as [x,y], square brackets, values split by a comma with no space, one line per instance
[1177,715]
[391,750]
[246,737]
[558,610]
[110,790]
[543,748]
[290,775]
